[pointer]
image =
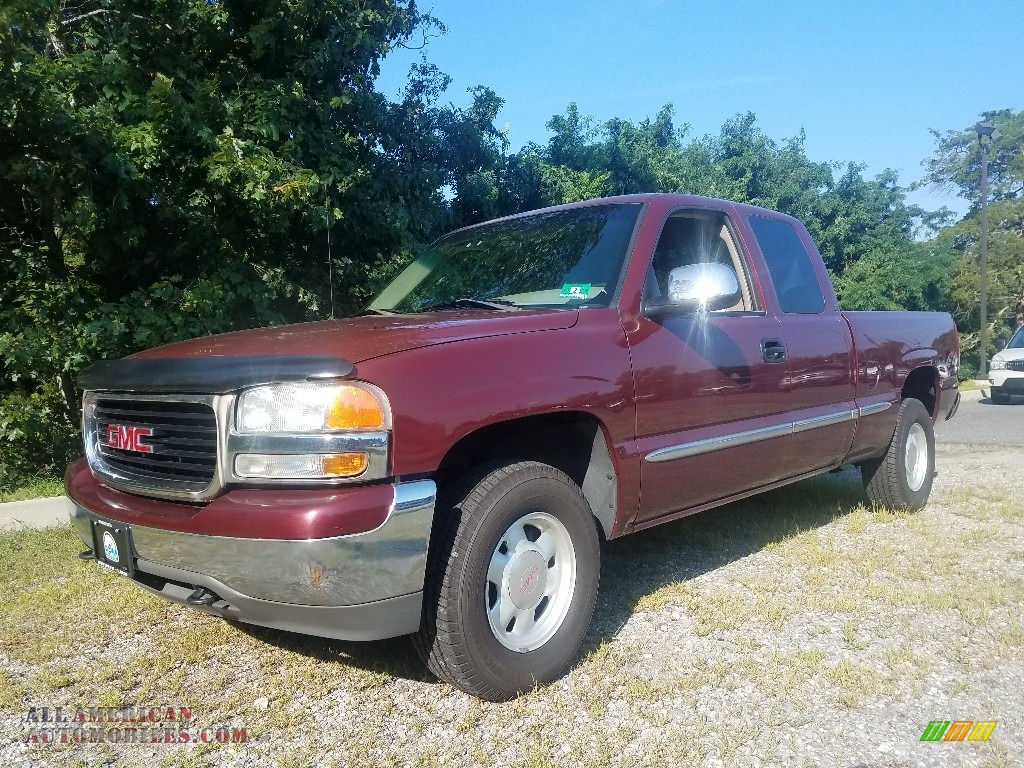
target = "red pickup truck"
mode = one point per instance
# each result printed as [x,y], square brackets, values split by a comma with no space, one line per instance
[447,463]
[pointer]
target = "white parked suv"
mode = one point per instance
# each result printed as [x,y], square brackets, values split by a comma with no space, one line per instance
[1006,374]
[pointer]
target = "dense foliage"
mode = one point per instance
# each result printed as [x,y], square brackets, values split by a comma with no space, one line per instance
[172,168]
[956,166]
[169,169]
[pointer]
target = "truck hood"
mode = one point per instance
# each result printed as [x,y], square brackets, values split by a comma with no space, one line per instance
[362,338]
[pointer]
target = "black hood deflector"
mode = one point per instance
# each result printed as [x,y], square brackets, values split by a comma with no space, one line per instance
[213,374]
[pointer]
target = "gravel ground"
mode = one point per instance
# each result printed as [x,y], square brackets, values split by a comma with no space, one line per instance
[797,628]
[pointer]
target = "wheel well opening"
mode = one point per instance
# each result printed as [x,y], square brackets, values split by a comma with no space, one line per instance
[922,384]
[570,441]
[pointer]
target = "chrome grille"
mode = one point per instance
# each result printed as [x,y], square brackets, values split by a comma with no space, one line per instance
[181,437]
[1015,365]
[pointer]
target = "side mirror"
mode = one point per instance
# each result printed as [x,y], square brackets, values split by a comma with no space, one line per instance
[1001,343]
[697,288]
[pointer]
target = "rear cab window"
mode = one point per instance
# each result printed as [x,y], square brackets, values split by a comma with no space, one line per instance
[789,265]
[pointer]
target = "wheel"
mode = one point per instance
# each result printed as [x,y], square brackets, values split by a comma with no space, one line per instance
[999,396]
[511,582]
[902,477]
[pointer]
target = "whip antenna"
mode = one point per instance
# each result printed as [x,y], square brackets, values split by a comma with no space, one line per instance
[330,261]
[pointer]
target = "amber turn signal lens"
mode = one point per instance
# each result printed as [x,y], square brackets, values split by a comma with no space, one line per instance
[345,464]
[354,408]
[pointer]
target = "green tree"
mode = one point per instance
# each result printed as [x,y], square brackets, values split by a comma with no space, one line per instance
[956,167]
[170,168]
[850,217]
[914,278]
[956,164]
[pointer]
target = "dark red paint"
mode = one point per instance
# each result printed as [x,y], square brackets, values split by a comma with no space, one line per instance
[650,384]
[254,514]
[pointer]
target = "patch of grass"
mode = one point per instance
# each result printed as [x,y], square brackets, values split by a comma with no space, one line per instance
[899,596]
[56,605]
[958,687]
[301,758]
[732,740]
[702,672]
[655,601]
[857,521]
[904,662]
[811,551]
[37,488]
[833,601]
[1011,633]
[855,681]
[978,537]
[604,747]
[781,612]
[852,638]
[771,609]
[719,610]
[52,678]
[781,673]
[609,657]
[641,689]
[470,718]
[985,503]
[886,515]
[11,691]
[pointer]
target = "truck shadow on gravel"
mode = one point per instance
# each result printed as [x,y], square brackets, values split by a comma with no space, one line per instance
[638,565]
[632,567]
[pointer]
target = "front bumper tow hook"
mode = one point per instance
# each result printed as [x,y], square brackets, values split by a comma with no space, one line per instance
[202,596]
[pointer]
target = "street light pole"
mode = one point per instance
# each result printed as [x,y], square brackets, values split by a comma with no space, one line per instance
[984,129]
[983,333]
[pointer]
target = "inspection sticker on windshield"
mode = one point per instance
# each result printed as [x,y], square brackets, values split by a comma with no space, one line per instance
[575,291]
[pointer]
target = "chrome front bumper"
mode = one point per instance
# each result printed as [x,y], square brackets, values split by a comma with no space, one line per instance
[361,586]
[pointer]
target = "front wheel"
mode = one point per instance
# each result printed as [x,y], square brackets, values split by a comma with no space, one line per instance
[511,580]
[902,477]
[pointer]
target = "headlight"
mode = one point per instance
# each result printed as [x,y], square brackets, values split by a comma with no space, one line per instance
[997,364]
[309,407]
[311,431]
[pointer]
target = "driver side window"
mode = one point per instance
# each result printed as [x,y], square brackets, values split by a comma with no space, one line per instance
[692,237]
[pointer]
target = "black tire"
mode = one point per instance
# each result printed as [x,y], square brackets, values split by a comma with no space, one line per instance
[999,397]
[471,528]
[888,480]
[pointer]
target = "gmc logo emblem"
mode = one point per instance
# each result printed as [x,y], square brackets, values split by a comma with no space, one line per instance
[127,438]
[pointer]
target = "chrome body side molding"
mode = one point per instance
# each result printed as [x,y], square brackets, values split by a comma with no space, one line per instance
[867,410]
[745,437]
[718,443]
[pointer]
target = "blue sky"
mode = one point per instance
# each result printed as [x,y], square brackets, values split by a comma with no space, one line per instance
[864,79]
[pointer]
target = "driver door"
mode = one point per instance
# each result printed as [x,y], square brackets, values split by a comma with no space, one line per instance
[712,400]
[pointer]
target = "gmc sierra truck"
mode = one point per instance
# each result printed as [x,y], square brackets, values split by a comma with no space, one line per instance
[446,464]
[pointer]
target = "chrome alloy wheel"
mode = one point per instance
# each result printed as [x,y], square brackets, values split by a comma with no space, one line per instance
[530,582]
[916,457]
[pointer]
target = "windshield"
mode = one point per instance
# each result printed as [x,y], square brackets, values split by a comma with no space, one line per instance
[566,258]
[1017,342]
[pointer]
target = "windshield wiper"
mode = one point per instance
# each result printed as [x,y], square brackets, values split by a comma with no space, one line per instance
[474,303]
[373,311]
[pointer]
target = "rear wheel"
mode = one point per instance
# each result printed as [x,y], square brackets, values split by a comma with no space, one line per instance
[902,477]
[511,580]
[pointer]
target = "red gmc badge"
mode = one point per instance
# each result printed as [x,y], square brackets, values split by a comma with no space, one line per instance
[127,438]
